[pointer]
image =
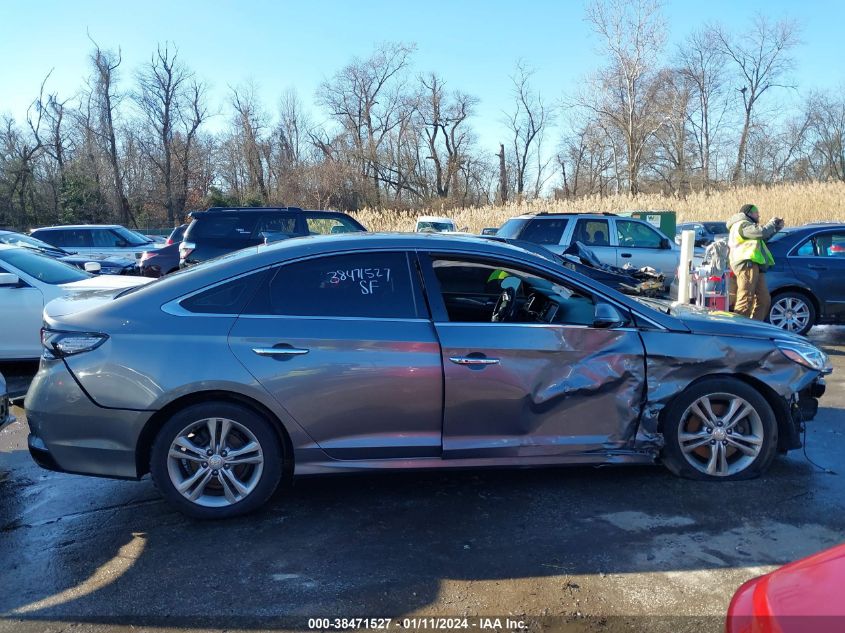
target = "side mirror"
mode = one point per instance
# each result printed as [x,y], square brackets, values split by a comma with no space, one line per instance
[665,244]
[92,267]
[607,316]
[8,279]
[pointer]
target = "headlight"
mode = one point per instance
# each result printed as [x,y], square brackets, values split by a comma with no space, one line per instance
[59,344]
[804,354]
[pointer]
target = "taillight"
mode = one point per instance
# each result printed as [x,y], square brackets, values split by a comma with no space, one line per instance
[168,242]
[58,344]
[147,255]
[185,249]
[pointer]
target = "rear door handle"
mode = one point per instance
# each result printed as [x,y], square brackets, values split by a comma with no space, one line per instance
[816,267]
[279,351]
[473,360]
[626,255]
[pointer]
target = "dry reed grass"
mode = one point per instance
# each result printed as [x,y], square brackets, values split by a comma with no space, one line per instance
[795,203]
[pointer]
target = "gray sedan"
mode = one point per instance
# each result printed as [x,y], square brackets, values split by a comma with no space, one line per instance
[344,353]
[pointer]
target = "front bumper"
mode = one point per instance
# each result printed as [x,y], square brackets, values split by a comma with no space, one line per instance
[69,433]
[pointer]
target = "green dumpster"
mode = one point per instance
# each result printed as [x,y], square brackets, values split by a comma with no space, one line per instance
[666,221]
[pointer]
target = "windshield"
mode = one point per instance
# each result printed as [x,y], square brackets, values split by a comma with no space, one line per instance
[132,238]
[18,239]
[716,227]
[436,227]
[511,228]
[41,267]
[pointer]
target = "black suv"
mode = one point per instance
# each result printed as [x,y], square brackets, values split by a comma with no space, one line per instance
[221,230]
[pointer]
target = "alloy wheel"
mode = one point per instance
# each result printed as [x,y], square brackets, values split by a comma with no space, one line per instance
[790,313]
[215,462]
[721,434]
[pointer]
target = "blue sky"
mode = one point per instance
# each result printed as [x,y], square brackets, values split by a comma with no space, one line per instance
[279,45]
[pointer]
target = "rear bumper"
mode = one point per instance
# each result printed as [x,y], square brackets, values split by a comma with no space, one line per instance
[69,433]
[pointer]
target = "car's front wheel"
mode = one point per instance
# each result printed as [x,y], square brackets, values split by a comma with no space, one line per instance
[216,460]
[719,429]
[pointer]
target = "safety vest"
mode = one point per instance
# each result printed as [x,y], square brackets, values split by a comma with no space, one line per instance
[743,250]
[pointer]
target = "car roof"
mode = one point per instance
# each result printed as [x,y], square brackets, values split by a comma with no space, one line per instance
[213,210]
[78,226]
[434,218]
[573,214]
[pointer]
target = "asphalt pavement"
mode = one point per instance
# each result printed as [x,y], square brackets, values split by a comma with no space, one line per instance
[605,549]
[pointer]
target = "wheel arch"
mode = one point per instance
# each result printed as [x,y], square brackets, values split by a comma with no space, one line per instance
[160,418]
[780,406]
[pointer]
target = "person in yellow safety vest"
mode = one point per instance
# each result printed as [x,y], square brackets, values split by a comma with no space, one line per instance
[749,259]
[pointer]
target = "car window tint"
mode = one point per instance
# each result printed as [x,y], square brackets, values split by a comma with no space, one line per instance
[470,291]
[637,235]
[329,225]
[103,238]
[544,230]
[592,232]
[41,267]
[227,298]
[807,249]
[512,228]
[276,223]
[830,244]
[234,227]
[375,285]
[75,238]
[54,238]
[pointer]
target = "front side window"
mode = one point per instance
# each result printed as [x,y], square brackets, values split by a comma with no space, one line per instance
[374,285]
[41,267]
[545,231]
[103,238]
[473,292]
[276,223]
[512,228]
[131,237]
[592,232]
[637,235]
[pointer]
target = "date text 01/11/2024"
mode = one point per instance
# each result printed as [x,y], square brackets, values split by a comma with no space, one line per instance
[421,623]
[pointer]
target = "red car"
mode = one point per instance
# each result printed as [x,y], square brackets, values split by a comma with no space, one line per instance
[807,596]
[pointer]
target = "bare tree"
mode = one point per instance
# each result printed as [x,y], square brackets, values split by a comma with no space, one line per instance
[702,63]
[762,58]
[106,101]
[826,115]
[624,93]
[251,124]
[527,123]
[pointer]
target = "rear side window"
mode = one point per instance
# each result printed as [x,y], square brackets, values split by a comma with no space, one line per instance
[592,232]
[318,225]
[227,298]
[374,285]
[823,245]
[544,231]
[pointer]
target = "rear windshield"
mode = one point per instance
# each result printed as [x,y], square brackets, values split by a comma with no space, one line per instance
[41,267]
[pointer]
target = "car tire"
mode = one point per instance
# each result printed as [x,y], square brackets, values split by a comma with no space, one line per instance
[233,473]
[792,311]
[727,445]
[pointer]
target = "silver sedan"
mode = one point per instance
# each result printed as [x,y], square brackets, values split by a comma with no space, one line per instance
[343,353]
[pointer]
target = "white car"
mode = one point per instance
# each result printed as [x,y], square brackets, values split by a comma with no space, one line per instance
[434,224]
[96,239]
[28,281]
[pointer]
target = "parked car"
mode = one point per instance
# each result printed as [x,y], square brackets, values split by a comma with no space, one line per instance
[489,230]
[329,354]
[6,416]
[806,282]
[435,224]
[95,239]
[176,235]
[705,232]
[163,260]
[28,281]
[98,264]
[157,240]
[804,596]
[221,230]
[614,240]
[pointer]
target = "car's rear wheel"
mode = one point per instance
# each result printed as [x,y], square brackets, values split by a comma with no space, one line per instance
[793,312]
[719,429]
[216,460]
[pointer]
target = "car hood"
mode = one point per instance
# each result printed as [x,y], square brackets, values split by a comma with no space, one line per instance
[718,323]
[104,260]
[89,293]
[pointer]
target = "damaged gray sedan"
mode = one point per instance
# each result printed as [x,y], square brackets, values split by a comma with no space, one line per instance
[351,352]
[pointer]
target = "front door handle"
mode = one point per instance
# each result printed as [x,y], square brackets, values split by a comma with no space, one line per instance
[626,255]
[816,267]
[279,351]
[473,360]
